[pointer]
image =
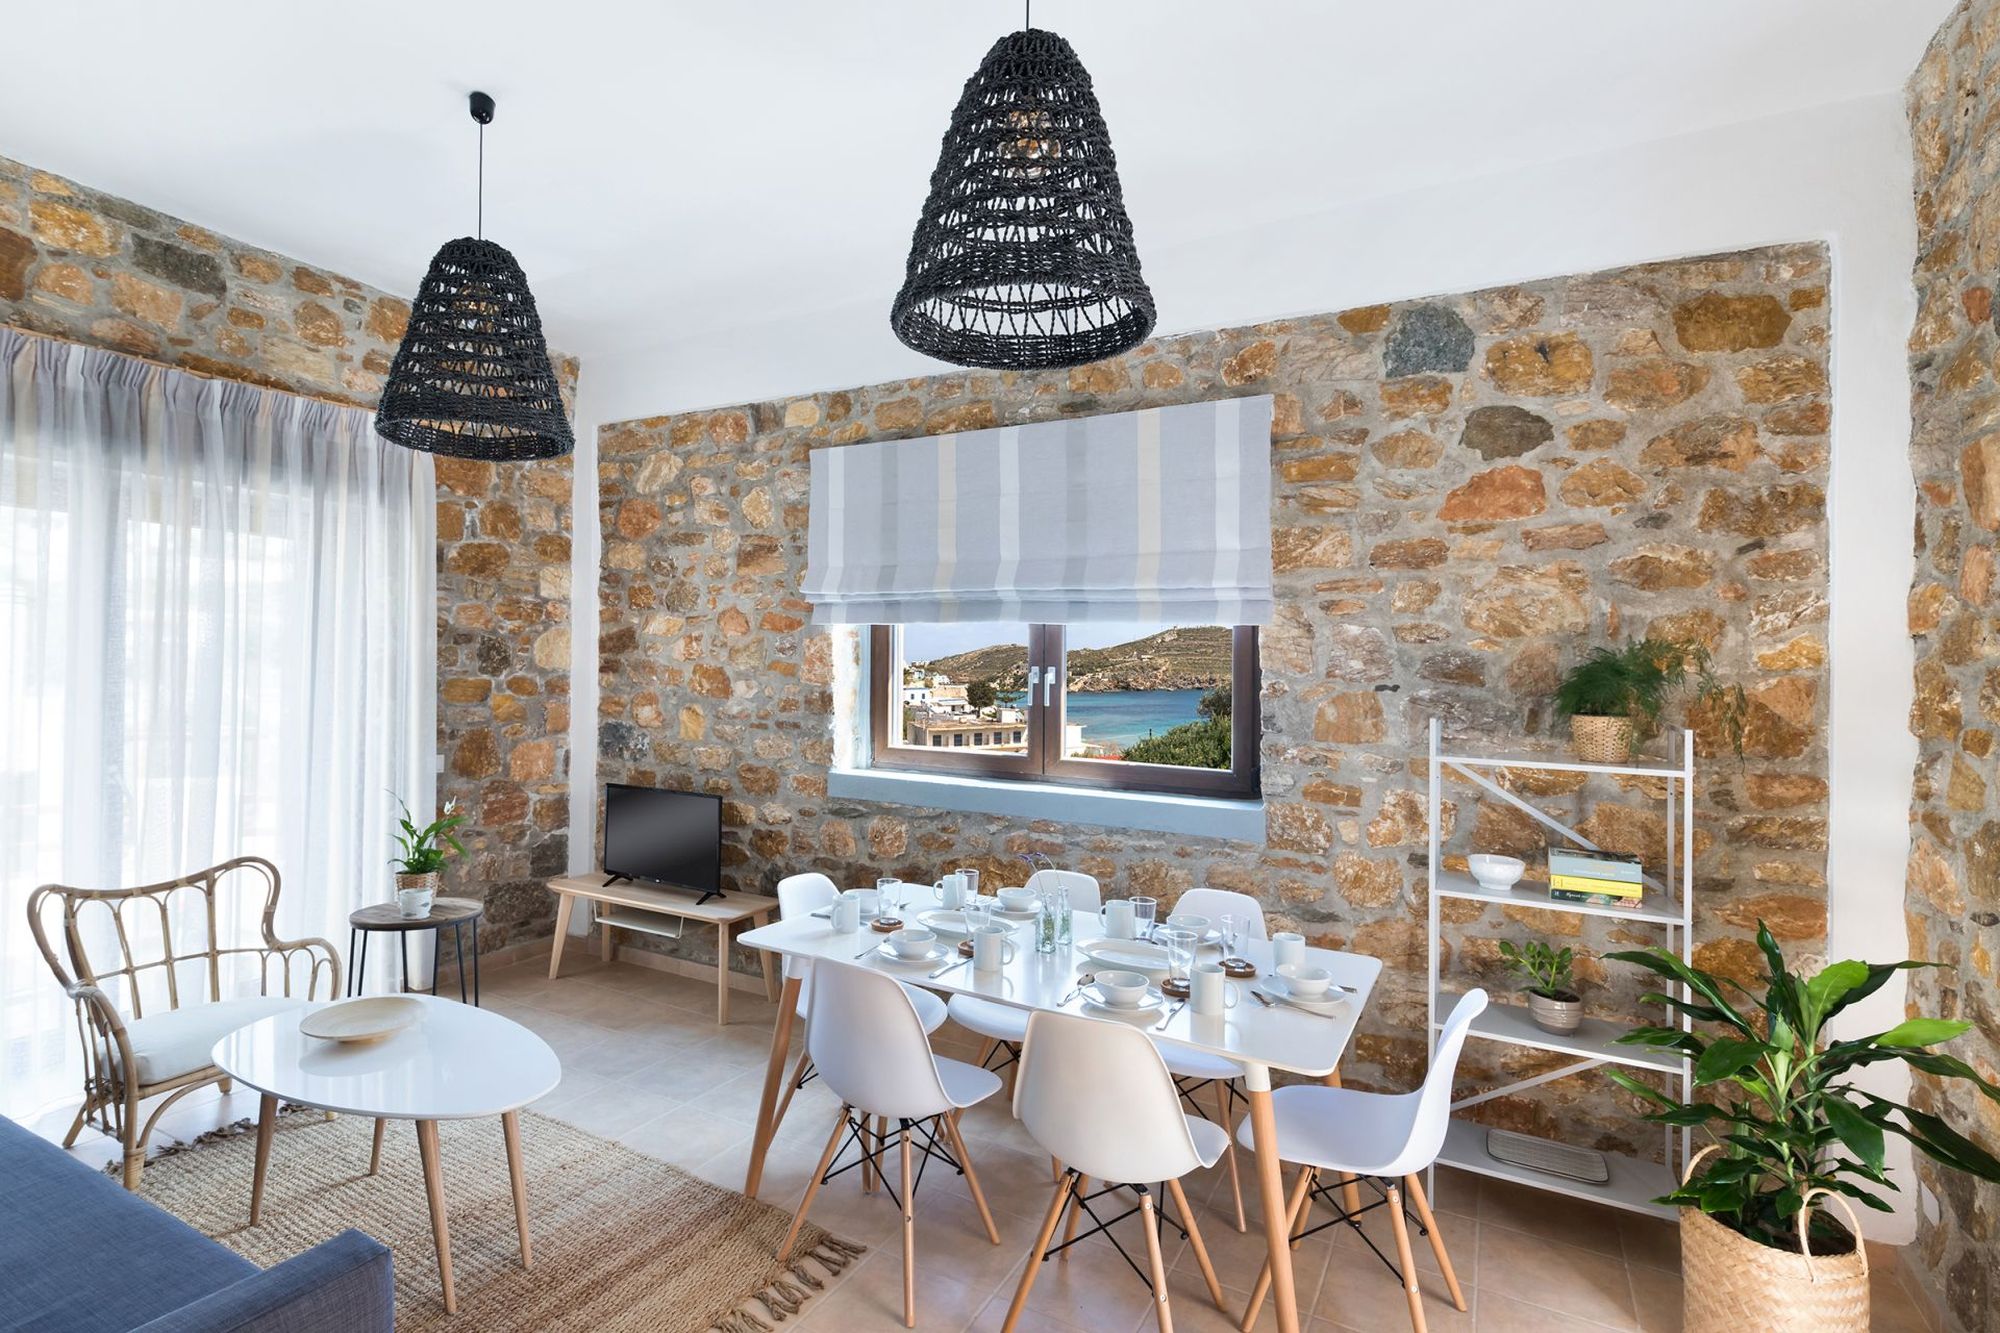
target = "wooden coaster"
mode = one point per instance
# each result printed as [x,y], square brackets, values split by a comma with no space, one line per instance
[885,924]
[1174,988]
[965,948]
[1239,967]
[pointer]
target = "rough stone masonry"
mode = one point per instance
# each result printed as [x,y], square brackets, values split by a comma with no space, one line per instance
[79,264]
[1468,492]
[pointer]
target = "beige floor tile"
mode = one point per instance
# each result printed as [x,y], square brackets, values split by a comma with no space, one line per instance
[994,1316]
[1656,1298]
[1359,1292]
[1549,1216]
[1565,1278]
[1504,1314]
[685,1136]
[1652,1242]
[871,1297]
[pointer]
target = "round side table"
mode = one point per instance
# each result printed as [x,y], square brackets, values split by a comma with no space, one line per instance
[453,913]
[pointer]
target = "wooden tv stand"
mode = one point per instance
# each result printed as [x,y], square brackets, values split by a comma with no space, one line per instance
[651,911]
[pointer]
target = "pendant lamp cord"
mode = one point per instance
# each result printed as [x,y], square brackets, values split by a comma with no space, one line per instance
[1027,14]
[481,211]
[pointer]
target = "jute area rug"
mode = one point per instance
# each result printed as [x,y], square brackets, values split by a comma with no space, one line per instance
[621,1241]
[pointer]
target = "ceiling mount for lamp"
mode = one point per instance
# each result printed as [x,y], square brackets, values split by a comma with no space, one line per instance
[472,378]
[1023,257]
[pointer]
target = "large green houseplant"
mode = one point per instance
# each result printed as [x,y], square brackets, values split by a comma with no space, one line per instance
[1788,1126]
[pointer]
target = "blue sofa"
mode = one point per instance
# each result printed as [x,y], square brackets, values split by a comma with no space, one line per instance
[82,1255]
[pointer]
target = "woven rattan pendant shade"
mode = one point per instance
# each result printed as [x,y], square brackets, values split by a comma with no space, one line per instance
[1023,257]
[472,378]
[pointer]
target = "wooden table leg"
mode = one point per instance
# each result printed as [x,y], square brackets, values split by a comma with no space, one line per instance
[427,1148]
[1264,1133]
[768,958]
[267,1120]
[722,973]
[510,1125]
[565,904]
[607,948]
[375,1152]
[774,1075]
[1350,1192]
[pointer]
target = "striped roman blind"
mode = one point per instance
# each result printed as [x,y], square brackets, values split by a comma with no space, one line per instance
[1161,516]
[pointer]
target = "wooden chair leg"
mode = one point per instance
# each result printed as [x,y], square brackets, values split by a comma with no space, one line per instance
[971,1177]
[1075,1211]
[1195,1241]
[1162,1312]
[1235,1181]
[1405,1259]
[1034,1267]
[134,1139]
[798,1081]
[1055,1168]
[1294,1209]
[76,1125]
[812,1186]
[910,1234]
[986,1051]
[1423,1203]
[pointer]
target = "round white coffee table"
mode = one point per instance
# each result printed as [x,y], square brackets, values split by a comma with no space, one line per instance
[455,1063]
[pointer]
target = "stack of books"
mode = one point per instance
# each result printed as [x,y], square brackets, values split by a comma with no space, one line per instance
[1605,879]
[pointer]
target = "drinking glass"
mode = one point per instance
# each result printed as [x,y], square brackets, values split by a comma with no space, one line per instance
[1180,952]
[889,896]
[978,914]
[1227,924]
[1144,910]
[971,877]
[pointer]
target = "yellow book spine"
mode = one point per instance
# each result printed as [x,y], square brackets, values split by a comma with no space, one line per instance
[1617,888]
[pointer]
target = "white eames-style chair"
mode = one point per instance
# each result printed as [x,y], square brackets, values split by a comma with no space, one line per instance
[1389,1139]
[1197,1072]
[872,1051]
[1068,1064]
[1003,1027]
[801,896]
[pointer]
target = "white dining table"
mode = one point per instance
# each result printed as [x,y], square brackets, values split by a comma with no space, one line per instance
[1262,1040]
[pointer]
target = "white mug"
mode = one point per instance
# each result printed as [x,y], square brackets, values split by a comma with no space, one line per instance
[1209,989]
[992,948]
[950,891]
[847,912]
[1118,919]
[413,903]
[1288,946]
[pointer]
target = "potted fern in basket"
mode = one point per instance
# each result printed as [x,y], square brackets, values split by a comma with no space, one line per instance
[1791,1134]
[1614,697]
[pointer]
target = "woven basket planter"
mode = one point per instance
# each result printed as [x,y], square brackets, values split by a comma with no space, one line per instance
[1601,740]
[1732,1283]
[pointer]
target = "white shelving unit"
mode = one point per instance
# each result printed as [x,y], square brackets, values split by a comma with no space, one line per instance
[1669,906]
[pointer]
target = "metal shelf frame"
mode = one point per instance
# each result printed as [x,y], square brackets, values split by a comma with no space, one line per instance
[1633,1184]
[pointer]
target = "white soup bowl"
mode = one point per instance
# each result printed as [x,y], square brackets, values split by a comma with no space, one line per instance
[1305,981]
[1122,990]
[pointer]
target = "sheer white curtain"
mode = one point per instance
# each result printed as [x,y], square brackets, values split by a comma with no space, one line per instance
[217,638]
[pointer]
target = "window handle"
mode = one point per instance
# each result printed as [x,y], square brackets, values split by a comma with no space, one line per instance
[1034,679]
[1049,688]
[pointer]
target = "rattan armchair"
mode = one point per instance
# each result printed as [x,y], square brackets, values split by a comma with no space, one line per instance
[134,955]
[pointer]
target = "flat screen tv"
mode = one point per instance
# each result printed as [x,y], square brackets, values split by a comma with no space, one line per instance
[670,838]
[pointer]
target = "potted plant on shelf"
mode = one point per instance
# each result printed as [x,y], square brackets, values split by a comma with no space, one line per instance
[1552,999]
[423,852]
[1791,1135]
[1614,697]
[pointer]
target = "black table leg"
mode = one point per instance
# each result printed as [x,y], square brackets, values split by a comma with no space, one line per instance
[403,947]
[458,942]
[475,962]
[437,948]
[361,969]
[352,934]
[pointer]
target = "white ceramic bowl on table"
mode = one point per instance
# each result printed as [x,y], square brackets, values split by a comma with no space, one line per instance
[1496,872]
[1017,900]
[1122,990]
[912,942]
[1306,981]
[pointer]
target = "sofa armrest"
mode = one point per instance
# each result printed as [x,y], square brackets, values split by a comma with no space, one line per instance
[343,1285]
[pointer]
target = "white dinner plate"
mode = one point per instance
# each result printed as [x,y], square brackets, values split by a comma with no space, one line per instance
[1130,955]
[949,921]
[1328,1003]
[1213,936]
[367,1019]
[1018,914]
[930,955]
[1096,1000]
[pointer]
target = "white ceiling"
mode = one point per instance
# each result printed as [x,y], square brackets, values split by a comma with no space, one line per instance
[668,169]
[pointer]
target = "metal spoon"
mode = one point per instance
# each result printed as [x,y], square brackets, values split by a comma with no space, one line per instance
[1081,982]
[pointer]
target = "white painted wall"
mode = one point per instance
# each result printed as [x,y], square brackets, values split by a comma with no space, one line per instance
[585,555]
[1840,173]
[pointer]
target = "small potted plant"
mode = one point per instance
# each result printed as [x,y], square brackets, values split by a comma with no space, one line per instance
[423,852]
[1552,999]
[1791,1134]
[1614,697]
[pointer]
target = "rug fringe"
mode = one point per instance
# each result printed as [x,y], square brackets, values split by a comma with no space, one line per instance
[784,1297]
[235,1129]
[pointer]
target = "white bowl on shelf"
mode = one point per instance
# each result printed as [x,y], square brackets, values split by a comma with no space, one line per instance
[1496,872]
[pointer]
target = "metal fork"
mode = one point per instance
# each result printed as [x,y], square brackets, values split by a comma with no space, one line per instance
[1161,1025]
[949,967]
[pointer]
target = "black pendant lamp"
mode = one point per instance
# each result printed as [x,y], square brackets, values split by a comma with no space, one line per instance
[1023,257]
[472,378]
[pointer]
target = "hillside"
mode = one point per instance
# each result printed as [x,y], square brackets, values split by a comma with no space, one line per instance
[1173,659]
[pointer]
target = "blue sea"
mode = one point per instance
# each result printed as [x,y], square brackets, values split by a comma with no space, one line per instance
[1120,717]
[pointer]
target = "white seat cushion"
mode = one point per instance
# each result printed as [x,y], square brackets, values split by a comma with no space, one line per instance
[174,1042]
[930,1007]
[1003,1022]
[1184,1062]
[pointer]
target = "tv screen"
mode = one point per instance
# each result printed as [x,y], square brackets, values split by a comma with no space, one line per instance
[665,837]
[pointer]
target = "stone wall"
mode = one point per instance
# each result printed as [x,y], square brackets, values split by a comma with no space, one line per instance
[1953,894]
[1468,492]
[92,268]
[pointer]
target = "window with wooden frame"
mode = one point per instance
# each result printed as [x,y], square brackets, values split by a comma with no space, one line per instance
[1138,707]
